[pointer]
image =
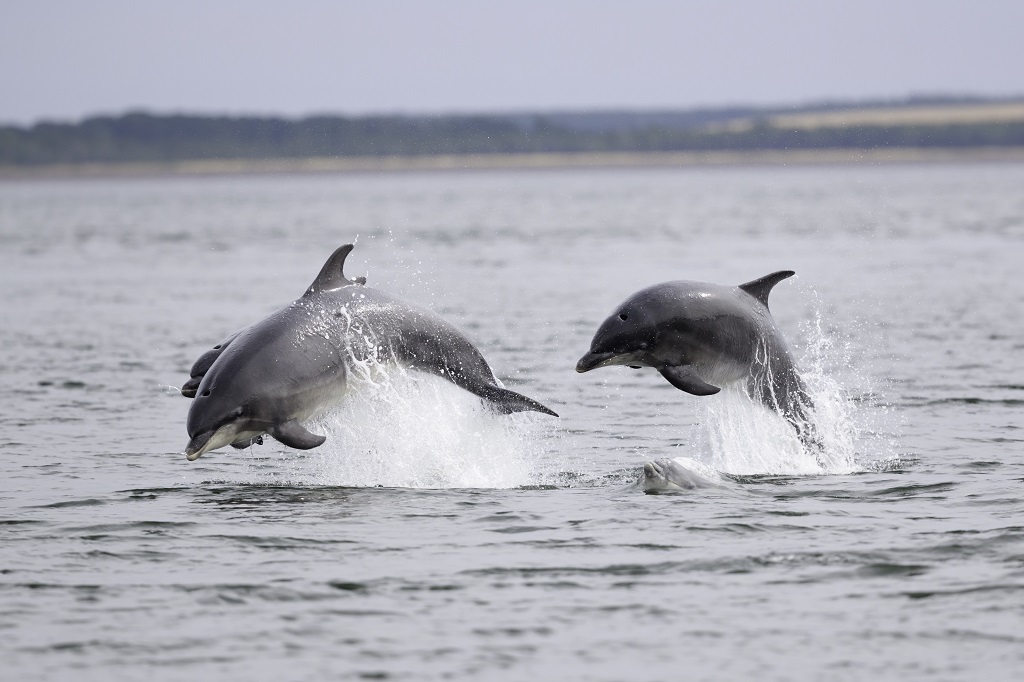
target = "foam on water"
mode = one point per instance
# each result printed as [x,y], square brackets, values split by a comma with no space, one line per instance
[705,474]
[735,435]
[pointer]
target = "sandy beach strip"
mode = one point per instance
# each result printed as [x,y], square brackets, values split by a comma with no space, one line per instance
[538,161]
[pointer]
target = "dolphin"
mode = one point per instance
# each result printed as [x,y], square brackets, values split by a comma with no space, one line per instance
[701,336]
[673,475]
[270,377]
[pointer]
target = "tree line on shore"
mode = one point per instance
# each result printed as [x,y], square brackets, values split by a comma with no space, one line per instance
[145,137]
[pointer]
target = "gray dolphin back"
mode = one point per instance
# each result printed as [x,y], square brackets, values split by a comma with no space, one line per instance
[420,339]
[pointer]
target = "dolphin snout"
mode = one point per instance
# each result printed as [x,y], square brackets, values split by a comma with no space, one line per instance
[653,470]
[190,387]
[210,440]
[197,446]
[593,361]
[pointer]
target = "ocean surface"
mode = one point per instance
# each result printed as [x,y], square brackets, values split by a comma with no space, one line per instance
[429,538]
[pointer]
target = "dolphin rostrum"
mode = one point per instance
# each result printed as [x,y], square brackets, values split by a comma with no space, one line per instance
[271,376]
[701,336]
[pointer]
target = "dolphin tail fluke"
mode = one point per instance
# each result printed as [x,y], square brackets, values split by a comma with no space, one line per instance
[793,402]
[507,402]
[798,414]
[294,435]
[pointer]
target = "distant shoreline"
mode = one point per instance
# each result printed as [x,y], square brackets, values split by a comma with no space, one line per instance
[526,161]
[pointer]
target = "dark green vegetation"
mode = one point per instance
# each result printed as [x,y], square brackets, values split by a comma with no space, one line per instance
[144,137]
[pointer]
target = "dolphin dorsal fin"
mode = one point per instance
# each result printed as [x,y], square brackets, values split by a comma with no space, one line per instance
[332,274]
[760,288]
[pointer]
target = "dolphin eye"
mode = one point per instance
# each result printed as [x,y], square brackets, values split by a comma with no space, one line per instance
[623,316]
[206,393]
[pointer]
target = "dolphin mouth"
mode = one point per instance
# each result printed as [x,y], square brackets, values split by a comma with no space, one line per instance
[227,434]
[199,446]
[594,360]
[190,387]
[654,470]
[655,478]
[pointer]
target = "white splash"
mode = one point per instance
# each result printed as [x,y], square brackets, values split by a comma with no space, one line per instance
[737,435]
[409,429]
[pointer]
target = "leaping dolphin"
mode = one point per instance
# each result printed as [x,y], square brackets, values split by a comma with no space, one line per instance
[273,375]
[701,336]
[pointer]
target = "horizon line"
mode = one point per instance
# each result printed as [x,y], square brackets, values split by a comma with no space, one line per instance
[808,104]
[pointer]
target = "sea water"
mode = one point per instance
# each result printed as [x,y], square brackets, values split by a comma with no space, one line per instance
[430,538]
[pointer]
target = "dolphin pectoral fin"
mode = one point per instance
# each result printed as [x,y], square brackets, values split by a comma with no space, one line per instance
[685,378]
[294,435]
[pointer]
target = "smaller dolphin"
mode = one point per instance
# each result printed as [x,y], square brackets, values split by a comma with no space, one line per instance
[294,365]
[673,475]
[700,336]
[202,366]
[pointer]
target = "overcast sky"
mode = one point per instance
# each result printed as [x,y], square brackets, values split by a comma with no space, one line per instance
[64,59]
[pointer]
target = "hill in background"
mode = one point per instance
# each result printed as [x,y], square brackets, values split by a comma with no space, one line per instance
[138,137]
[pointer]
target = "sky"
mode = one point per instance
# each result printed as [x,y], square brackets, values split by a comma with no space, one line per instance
[66,59]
